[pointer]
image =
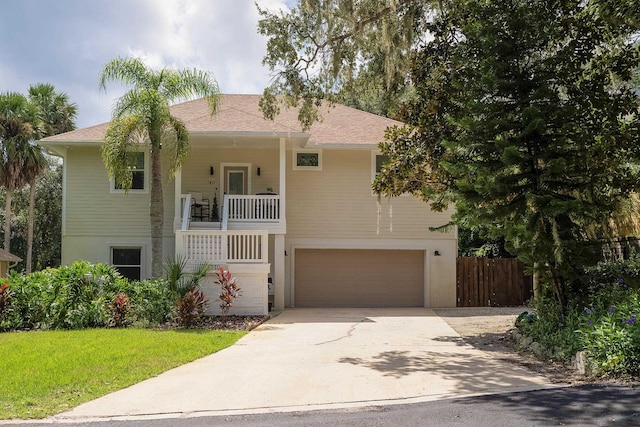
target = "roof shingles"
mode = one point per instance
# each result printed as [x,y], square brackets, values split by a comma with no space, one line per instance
[241,113]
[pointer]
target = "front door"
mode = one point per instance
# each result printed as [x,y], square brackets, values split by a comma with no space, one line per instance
[236,180]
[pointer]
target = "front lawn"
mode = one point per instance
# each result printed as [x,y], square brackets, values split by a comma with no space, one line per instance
[44,373]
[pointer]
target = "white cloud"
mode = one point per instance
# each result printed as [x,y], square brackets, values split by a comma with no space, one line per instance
[67,42]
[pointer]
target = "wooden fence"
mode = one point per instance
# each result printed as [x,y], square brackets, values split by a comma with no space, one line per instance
[492,282]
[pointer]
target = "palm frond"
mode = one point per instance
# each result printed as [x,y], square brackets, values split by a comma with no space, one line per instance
[123,137]
[178,143]
[202,269]
[57,112]
[125,70]
[191,83]
[174,274]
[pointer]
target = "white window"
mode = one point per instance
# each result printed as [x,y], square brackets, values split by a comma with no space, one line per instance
[128,261]
[139,175]
[377,163]
[381,160]
[307,160]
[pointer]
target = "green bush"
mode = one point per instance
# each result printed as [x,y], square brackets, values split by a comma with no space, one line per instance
[79,295]
[610,329]
[555,333]
[604,322]
[606,272]
[152,301]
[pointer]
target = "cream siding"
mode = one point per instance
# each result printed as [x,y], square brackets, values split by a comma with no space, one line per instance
[196,171]
[333,209]
[337,203]
[96,219]
[93,210]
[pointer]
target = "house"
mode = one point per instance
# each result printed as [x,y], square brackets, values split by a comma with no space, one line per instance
[6,260]
[296,210]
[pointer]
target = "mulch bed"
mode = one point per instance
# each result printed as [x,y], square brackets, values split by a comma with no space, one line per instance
[226,323]
[233,323]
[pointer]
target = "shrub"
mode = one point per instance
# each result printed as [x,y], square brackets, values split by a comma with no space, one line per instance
[610,329]
[179,280]
[191,302]
[555,333]
[152,302]
[80,295]
[5,296]
[191,307]
[604,322]
[609,271]
[120,309]
[229,289]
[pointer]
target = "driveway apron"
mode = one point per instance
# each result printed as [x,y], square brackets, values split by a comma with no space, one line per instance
[322,358]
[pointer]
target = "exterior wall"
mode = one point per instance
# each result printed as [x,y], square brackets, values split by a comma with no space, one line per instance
[92,210]
[252,280]
[337,202]
[98,248]
[441,279]
[96,219]
[334,208]
[196,170]
[330,208]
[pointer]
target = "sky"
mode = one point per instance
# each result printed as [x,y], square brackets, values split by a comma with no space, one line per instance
[67,42]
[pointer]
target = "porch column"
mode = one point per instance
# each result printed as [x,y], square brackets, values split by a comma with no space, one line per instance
[278,272]
[177,214]
[283,188]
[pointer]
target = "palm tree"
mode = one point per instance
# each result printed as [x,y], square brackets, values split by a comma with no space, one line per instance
[142,114]
[58,115]
[57,112]
[19,125]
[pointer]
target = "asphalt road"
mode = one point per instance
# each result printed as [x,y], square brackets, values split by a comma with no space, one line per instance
[589,405]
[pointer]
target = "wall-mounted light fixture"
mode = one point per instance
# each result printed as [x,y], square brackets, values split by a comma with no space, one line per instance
[258,171]
[211,170]
[436,253]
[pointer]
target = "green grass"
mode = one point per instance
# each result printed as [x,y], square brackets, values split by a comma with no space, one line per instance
[44,373]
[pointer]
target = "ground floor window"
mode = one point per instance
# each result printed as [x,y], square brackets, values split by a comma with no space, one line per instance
[128,261]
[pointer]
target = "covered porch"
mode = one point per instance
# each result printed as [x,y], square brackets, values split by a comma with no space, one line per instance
[230,210]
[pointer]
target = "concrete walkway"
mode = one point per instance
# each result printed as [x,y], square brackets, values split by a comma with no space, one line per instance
[309,359]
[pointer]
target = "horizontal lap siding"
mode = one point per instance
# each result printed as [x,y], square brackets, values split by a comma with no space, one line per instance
[92,210]
[337,203]
[196,171]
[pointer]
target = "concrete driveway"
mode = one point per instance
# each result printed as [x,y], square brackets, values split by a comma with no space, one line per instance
[322,358]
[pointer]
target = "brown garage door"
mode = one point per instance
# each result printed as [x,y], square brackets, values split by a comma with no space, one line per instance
[359,278]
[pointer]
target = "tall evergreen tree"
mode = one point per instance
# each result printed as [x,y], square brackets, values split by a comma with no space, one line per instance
[523,114]
[529,124]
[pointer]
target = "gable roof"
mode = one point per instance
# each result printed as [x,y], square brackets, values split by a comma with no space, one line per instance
[8,256]
[340,125]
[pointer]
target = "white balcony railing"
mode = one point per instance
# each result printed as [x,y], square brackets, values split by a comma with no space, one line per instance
[222,246]
[258,208]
